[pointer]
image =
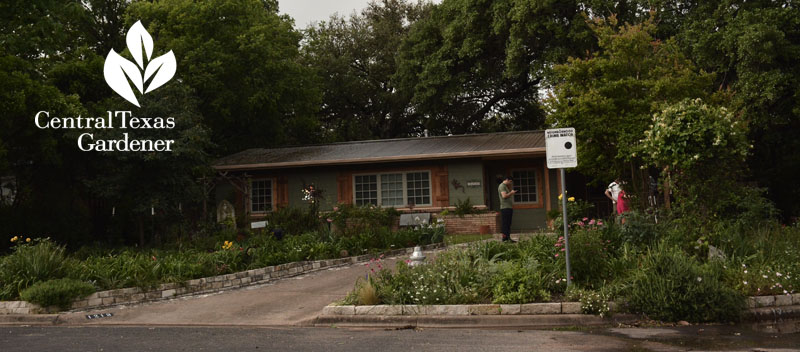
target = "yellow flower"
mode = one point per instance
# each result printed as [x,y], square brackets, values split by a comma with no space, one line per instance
[14,239]
[571,199]
[27,240]
[560,196]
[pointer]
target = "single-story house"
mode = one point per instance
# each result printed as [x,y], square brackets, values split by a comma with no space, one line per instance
[424,174]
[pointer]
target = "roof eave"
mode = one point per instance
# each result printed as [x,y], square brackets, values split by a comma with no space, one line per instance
[282,165]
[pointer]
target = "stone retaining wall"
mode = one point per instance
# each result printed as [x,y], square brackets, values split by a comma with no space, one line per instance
[518,309]
[198,286]
[20,307]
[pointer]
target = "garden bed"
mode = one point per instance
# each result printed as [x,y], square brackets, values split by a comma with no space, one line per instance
[661,270]
[198,286]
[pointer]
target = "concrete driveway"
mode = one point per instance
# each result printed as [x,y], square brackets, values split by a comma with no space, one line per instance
[289,301]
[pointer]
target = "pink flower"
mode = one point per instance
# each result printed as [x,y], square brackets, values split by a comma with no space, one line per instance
[330,220]
[591,222]
[580,223]
[600,222]
[585,219]
[556,254]
[563,249]
[335,208]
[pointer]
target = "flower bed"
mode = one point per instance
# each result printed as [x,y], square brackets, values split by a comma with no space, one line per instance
[646,268]
[41,260]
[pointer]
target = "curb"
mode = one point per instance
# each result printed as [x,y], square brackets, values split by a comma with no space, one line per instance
[29,319]
[474,321]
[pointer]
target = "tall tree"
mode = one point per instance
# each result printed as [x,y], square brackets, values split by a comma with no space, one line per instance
[611,95]
[754,46]
[241,59]
[477,59]
[355,60]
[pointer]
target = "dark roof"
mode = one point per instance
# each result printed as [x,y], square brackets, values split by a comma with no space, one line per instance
[518,144]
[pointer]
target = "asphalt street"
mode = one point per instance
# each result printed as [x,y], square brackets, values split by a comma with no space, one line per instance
[124,339]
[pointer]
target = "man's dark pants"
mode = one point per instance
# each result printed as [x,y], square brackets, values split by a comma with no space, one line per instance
[505,216]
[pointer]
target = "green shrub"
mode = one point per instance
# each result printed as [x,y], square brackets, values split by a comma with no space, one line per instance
[673,286]
[295,220]
[351,220]
[514,282]
[589,258]
[59,292]
[465,207]
[29,263]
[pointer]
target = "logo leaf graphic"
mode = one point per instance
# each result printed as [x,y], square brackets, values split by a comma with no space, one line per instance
[115,70]
[136,37]
[118,70]
[164,68]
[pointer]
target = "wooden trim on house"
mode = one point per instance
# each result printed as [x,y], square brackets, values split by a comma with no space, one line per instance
[344,183]
[282,192]
[440,187]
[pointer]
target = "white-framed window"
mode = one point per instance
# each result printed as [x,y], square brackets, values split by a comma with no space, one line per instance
[366,189]
[260,195]
[525,185]
[393,189]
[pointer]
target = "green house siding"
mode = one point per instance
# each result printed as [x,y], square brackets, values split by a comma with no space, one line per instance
[462,176]
[322,180]
[528,219]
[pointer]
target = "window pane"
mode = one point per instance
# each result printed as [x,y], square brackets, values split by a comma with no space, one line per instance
[366,189]
[260,195]
[418,185]
[525,185]
[392,189]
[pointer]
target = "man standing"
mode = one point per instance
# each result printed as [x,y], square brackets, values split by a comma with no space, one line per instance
[612,192]
[506,206]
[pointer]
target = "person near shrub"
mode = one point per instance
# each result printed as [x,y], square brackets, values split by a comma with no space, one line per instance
[506,206]
[623,204]
[612,192]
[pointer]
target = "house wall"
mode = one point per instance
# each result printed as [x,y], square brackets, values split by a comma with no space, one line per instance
[449,185]
[460,174]
[324,180]
[527,217]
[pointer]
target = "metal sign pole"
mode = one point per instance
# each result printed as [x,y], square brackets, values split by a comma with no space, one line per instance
[566,224]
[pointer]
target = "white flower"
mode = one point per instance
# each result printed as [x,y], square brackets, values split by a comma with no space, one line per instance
[778,274]
[745,282]
[699,279]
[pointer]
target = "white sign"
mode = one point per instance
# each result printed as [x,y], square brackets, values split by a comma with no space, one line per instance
[561,149]
[258,224]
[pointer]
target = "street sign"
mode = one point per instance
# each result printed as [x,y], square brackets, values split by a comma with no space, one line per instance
[561,148]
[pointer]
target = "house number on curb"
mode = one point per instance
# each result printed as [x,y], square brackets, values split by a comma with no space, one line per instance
[98,316]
